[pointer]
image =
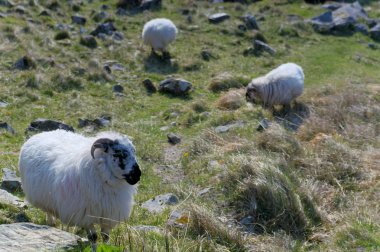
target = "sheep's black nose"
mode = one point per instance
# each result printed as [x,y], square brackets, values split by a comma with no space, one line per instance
[134,176]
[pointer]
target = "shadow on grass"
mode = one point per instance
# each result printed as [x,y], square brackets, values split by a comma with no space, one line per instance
[292,119]
[157,64]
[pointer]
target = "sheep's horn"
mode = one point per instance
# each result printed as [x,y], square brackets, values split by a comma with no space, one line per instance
[103,143]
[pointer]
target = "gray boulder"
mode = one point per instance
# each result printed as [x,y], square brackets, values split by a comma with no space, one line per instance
[175,86]
[106,28]
[250,22]
[10,181]
[80,20]
[32,237]
[173,138]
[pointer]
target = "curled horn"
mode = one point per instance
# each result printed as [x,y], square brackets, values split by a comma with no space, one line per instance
[103,143]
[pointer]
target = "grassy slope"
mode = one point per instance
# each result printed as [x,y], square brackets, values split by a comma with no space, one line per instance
[327,60]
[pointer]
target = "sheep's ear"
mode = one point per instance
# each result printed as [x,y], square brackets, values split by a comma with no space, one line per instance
[102,143]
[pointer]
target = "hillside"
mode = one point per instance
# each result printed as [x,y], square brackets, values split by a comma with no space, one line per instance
[309,181]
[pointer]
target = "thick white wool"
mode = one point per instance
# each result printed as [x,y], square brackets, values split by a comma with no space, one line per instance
[159,33]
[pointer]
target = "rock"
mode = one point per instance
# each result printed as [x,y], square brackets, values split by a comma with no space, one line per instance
[173,138]
[149,4]
[44,13]
[10,181]
[175,86]
[102,121]
[21,217]
[248,220]
[20,9]
[149,86]
[373,46]
[331,6]
[146,228]
[118,36]
[25,63]
[204,191]
[121,12]
[259,47]
[340,20]
[227,127]
[164,128]
[89,41]
[106,28]
[6,3]
[3,104]
[7,127]
[375,33]
[158,203]
[7,198]
[362,28]
[100,16]
[48,125]
[218,18]
[207,55]
[263,125]
[80,20]
[178,219]
[118,89]
[250,22]
[61,35]
[32,237]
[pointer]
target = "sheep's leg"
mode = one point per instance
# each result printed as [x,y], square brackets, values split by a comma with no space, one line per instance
[153,53]
[287,108]
[92,237]
[105,235]
[165,55]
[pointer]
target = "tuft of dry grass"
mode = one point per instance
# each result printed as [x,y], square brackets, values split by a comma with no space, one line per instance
[231,100]
[225,81]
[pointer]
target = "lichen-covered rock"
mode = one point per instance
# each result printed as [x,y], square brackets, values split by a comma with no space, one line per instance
[175,86]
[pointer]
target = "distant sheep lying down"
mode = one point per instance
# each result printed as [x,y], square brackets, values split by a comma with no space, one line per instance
[279,87]
[82,181]
[159,33]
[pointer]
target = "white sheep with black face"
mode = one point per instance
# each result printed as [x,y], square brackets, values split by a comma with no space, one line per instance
[81,180]
[279,87]
[158,33]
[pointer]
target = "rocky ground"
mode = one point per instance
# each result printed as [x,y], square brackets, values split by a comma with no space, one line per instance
[218,174]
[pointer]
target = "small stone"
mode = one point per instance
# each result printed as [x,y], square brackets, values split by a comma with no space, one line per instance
[375,32]
[100,16]
[25,63]
[102,121]
[173,138]
[250,22]
[9,199]
[88,41]
[80,20]
[370,45]
[204,191]
[10,181]
[118,36]
[7,127]
[249,220]
[20,9]
[222,129]
[149,86]
[106,28]
[206,55]
[218,18]
[164,128]
[118,88]
[44,13]
[48,125]
[158,203]
[21,217]
[149,4]
[3,104]
[263,125]
[260,46]
[362,28]
[175,86]
[146,228]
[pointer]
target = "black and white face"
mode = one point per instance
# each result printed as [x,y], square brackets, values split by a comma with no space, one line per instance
[120,157]
[124,163]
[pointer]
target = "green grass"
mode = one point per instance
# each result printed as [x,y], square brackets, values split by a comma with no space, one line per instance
[69,83]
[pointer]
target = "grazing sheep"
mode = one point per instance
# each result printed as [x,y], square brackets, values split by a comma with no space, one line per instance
[159,33]
[279,87]
[82,181]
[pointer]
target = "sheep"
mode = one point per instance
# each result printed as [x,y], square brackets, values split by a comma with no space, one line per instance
[159,33]
[279,87]
[80,180]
